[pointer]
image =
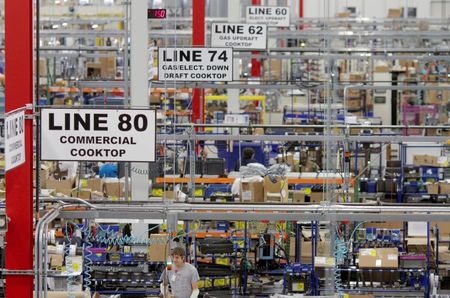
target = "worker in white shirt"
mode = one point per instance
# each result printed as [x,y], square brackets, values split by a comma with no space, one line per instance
[182,277]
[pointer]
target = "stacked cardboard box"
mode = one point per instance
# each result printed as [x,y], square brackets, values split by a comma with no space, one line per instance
[378,258]
[394,13]
[95,184]
[385,225]
[273,70]
[64,186]
[419,246]
[82,193]
[425,160]
[299,196]
[323,250]
[275,191]
[114,189]
[252,192]
[108,66]
[159,250]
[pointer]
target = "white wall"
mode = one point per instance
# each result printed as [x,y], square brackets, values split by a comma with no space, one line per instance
[370,8]
[440,9]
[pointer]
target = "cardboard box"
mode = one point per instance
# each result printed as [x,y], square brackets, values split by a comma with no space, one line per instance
[94,70]
[252,192]
[425,160]
[43,176]
[444,188]
[95,184]
[394,13]
[344,15]
[298,196]
[444,228]
[61,186]
[323,250]
[108,66]
[317,197]
[114,189]
[353,103]
[353,93]
[159,250]
[275,192]
[382,68]
[356,77]
[82,193]
[170,195]
[42,67]
[444,253]
[97,195]
[418,245]
[324,262]
[378,258]
[385,225]
[259,131]
[56,261]
[433,188]
[288,159]
[155,97]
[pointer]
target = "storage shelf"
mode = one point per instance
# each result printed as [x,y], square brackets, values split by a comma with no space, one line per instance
[132,281]
[128,292]
[206,277]
[217,255]
[126,263]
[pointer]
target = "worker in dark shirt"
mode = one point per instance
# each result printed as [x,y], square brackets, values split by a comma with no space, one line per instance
[248,157]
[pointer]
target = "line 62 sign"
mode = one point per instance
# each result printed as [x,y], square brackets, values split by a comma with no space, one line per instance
[239,36]
[98,134]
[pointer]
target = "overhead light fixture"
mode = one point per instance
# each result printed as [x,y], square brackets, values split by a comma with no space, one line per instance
[94,26]
[55,26]
[64,24]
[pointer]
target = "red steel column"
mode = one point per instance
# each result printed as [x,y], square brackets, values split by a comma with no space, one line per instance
[19,189]
[256,64]
[300,12]
[198,40]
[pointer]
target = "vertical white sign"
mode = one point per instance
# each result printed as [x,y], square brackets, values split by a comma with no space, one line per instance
[14,140]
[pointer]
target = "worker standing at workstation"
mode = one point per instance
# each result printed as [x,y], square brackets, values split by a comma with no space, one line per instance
[248,157]
[182,277]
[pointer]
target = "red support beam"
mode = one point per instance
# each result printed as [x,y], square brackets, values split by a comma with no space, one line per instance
[256,64]
[198,40]
[19,189]
[301,7]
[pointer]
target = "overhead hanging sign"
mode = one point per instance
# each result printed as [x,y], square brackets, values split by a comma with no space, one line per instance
[272,16]
[14,140]
[98,134]
[239,36]
[195,64]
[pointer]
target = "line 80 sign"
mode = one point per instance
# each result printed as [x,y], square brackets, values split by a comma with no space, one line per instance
[98,134]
